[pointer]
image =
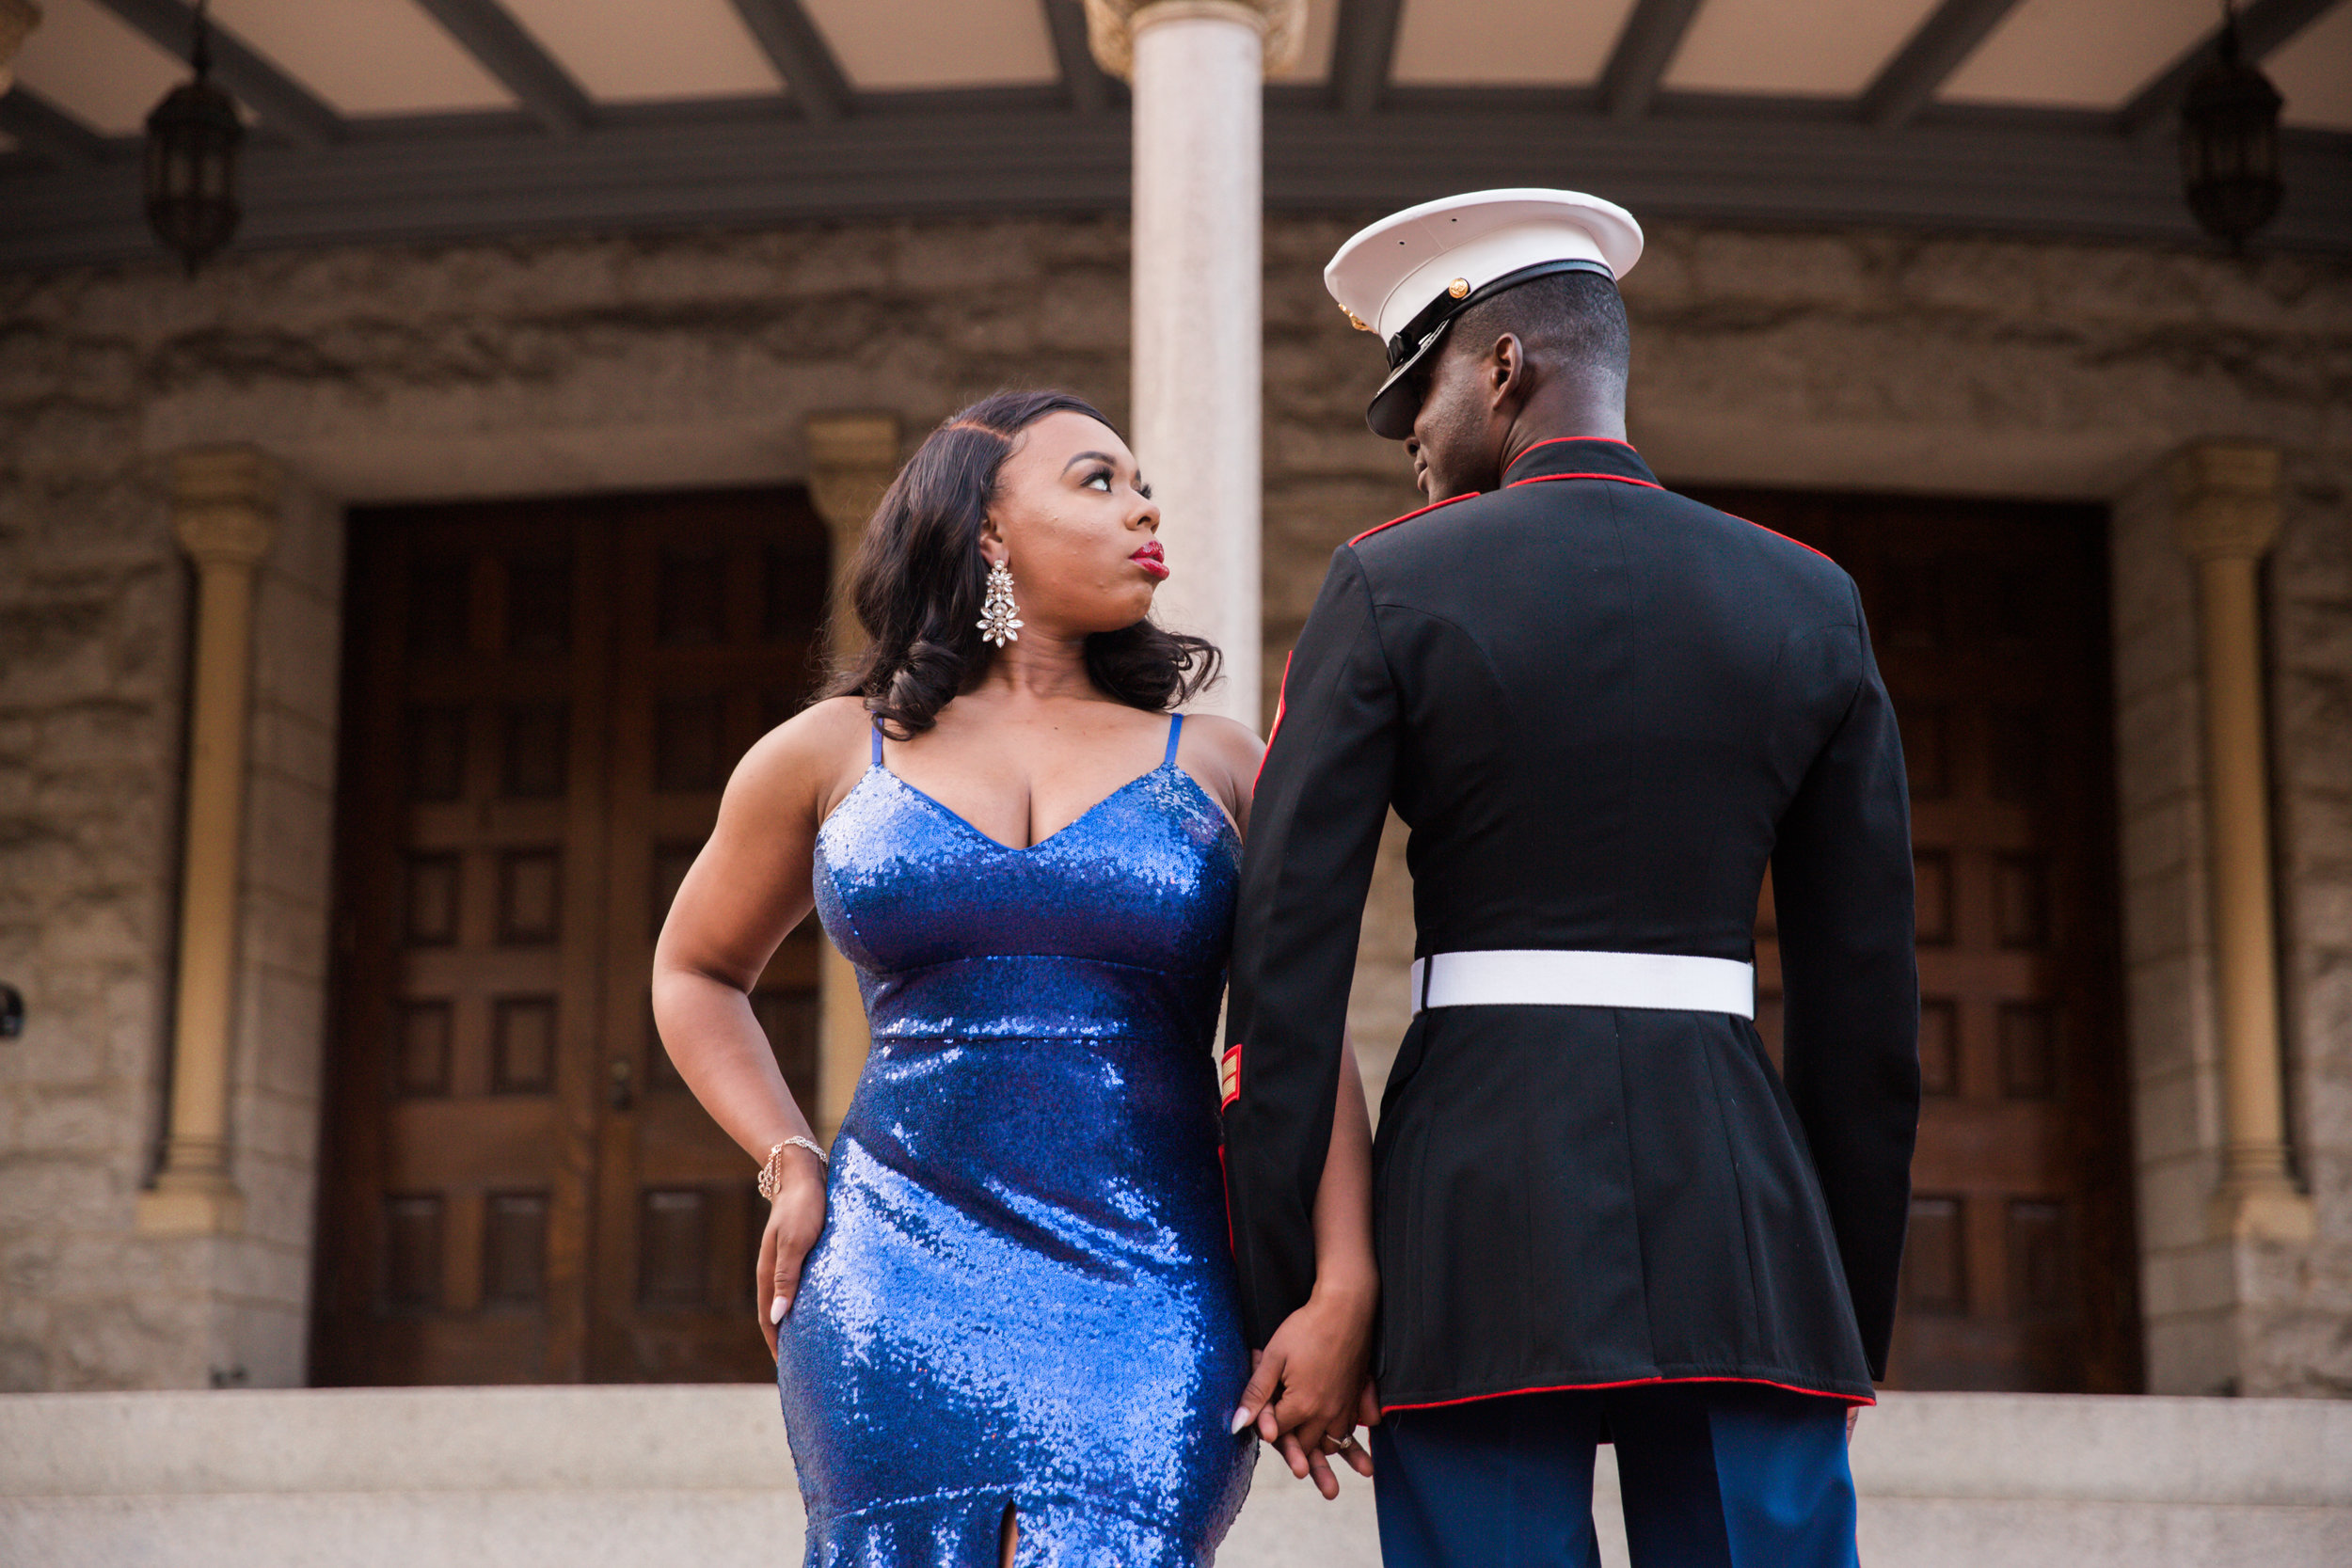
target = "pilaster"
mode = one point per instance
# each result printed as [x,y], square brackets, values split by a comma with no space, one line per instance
[852,458]
[2227,501]
[17,17]
[224,515]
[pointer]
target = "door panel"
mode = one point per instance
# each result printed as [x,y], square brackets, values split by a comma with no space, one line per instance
[543,702]
[1989,622]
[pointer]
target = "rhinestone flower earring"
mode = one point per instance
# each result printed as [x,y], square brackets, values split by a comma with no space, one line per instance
[996,623]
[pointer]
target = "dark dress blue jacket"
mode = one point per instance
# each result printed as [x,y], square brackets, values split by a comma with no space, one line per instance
[1601,708]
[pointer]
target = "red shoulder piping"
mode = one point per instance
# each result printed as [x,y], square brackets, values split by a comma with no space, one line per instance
[1777,534]
[1410,515]
[1629,1383]
[1281,705]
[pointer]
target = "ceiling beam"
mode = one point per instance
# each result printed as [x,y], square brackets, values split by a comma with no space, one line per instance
[41,127]
[1949,35]
[1994,173]
[2262,27]
[801,57]
[1364,52]
[488,32]
[1644,49]
[284,104]
[1088,90]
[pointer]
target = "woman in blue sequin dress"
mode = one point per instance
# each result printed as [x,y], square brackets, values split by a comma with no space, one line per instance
[1005,1316]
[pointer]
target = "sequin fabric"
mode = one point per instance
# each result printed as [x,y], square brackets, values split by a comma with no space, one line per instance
[1023,1293]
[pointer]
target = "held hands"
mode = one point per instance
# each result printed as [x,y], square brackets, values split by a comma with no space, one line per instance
[794,1221]
[1309,1388]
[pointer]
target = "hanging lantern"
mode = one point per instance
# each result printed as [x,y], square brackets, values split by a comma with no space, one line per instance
[192,140]
[2229,143]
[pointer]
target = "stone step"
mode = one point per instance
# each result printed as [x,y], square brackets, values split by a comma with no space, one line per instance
[652,1477]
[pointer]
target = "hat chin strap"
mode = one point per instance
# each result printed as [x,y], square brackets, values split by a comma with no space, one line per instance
[1415,336]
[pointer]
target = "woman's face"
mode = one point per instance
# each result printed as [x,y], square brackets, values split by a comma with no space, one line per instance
[1077,526]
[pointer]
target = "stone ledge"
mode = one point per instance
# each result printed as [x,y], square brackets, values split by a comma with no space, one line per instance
[591,1477]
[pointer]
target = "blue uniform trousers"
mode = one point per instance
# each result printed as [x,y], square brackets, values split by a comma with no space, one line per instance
[1714,1474]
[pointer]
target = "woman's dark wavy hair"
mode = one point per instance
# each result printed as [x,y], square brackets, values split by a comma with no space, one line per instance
[920,577]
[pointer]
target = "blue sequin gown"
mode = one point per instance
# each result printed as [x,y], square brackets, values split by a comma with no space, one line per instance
[1024,1292]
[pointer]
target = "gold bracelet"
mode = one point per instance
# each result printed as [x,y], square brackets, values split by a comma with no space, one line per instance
[770,1175]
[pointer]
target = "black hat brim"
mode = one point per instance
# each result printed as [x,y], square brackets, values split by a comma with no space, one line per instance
[1396,404]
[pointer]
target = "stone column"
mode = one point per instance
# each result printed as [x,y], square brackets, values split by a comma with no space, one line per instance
[224,514]
[17,17]
[1198,67]
[2227,502]
[851,461]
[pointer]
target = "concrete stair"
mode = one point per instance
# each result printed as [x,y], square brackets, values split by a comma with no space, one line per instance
[699,1477]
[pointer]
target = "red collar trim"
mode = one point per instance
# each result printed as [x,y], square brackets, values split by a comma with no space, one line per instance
[1467,495]
[1621,479]
[1555,440]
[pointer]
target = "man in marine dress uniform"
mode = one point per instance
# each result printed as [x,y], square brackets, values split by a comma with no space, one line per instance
[1601,1214]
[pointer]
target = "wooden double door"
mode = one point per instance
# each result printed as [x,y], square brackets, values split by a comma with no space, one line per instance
[542,703]
[1989,622]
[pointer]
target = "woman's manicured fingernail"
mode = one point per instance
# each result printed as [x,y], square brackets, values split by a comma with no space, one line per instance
[775,1310]
[1241,1418]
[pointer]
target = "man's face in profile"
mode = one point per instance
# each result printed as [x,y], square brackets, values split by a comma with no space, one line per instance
[1456,443]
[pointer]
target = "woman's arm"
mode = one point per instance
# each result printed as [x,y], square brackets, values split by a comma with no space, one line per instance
[1313,1378]
[745,891]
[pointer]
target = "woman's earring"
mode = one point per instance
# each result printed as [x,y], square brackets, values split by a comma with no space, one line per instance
[996,622]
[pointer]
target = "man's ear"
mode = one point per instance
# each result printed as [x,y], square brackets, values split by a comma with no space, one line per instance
[1507,379]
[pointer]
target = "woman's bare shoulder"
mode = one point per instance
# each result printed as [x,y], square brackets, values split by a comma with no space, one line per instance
[803,760]
[1228,740]
[1223,752]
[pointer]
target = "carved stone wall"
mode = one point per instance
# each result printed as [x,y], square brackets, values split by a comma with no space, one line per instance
[2303,1343]
[1833,360]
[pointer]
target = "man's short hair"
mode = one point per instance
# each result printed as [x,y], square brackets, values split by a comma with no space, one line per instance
[1574,321]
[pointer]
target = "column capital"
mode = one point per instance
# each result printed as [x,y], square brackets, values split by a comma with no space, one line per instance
[851,460]
[1112,26]
[2227,495]
[17,17]
[224,503]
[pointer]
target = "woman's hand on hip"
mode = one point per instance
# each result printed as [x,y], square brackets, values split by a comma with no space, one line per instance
[794,1221]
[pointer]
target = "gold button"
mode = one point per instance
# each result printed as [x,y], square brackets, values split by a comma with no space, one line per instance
[1459,287]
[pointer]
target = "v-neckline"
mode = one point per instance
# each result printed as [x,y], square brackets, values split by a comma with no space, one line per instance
[961,821]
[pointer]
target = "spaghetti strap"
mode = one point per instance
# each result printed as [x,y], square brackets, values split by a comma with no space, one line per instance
[878,743]
[1175,728]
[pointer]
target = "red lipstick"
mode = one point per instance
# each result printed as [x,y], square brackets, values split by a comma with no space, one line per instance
[1153,559]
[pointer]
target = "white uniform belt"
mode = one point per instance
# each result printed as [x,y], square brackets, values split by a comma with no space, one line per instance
[1548,977]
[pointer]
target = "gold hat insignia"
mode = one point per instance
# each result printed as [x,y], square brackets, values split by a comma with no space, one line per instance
[1354,321]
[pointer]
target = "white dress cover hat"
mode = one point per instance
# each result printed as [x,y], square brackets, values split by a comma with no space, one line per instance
[1409,274]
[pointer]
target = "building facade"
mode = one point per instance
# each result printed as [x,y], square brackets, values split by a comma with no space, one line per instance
[379,615]
[1929,385]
